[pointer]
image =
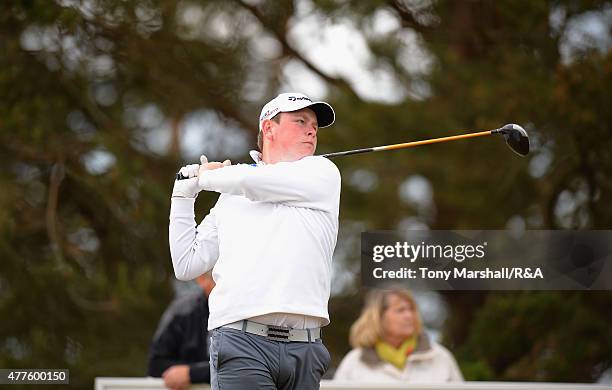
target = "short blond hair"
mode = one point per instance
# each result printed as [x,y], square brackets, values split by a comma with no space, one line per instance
[367,330]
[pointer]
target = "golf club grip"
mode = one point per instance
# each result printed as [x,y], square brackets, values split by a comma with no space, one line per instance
[179,176]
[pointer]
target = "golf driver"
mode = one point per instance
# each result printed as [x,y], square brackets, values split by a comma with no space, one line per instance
[516,138]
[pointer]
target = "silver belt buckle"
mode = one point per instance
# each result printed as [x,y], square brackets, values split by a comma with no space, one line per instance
[278,333]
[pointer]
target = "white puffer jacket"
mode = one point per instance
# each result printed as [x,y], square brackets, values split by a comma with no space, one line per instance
[429,363]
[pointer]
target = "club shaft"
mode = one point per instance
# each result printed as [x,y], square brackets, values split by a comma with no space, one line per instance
[408,144]
[397,146]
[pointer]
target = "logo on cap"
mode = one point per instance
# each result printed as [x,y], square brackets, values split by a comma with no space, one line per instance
[269,113]
[293,98]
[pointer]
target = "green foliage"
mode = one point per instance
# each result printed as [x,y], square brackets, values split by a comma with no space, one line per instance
[537,336]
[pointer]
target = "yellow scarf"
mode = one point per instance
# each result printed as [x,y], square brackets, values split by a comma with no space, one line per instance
[396,356]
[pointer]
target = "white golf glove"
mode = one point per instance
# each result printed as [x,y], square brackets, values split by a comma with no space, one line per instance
[188,188]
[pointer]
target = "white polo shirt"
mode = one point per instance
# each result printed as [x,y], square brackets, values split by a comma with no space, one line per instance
[270,238]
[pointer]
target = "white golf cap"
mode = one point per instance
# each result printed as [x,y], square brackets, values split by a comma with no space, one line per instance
[293,101]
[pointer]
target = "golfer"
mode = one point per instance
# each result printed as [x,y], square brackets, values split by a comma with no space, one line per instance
[269,240]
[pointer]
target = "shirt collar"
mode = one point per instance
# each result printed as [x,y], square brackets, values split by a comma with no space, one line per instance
[256,156]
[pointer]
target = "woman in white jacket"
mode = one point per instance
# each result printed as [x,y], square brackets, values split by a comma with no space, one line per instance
[390,346]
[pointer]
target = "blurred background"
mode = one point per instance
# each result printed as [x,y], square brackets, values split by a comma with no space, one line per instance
[101,101]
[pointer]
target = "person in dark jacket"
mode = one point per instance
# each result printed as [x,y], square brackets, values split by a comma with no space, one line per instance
[179,351]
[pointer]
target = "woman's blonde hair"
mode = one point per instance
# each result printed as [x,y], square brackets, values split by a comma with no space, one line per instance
[367,330]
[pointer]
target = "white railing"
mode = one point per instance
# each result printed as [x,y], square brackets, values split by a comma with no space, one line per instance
[158,384]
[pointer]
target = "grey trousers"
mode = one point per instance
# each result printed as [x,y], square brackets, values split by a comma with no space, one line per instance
[240,360]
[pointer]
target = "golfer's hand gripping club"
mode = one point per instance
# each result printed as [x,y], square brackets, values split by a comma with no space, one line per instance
[195,170]
[186,183]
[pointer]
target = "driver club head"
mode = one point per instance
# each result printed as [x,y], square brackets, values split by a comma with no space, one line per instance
[516,138]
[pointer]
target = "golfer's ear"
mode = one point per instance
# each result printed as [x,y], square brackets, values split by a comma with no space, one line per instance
[267,128]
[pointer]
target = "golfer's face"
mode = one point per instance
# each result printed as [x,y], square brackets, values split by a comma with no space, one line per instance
[297,133]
